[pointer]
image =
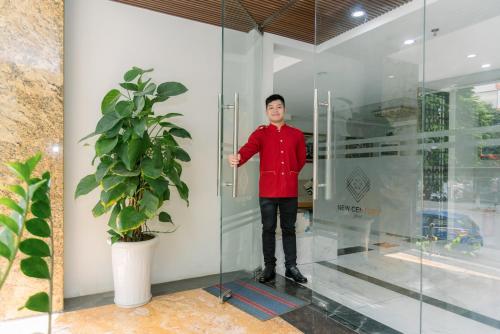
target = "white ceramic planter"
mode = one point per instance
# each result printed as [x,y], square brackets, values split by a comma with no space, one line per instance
[132,272]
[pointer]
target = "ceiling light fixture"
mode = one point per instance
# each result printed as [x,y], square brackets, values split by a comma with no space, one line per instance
[358,13]
[472,55]
[486,65]
[391,76]
[409,41]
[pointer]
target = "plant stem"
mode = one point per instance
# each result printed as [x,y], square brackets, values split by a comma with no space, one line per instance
[51,280]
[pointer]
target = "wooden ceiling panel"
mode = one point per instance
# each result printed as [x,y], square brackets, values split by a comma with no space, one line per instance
[289,18]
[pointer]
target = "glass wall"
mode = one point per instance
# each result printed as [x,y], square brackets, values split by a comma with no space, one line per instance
[407,125]
[461,151]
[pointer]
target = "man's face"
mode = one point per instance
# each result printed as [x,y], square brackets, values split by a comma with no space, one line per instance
[275,111]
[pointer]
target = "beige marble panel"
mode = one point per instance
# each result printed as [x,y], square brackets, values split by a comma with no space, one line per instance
[31,119]
[194,311]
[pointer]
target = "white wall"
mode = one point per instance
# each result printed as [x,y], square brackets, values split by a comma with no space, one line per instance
[102,40]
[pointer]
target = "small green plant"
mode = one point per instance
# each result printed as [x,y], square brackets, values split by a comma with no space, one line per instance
[139,157]
[30,210]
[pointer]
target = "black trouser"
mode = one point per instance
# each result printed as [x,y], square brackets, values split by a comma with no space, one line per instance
[288,215]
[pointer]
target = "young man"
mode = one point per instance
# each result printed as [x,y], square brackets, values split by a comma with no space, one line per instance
[282,155]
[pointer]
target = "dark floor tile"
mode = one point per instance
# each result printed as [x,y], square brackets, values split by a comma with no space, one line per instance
[313,320]
[352,250]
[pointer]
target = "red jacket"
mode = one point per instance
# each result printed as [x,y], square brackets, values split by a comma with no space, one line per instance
[282,155]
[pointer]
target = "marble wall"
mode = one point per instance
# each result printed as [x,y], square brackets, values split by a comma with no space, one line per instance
[31,119]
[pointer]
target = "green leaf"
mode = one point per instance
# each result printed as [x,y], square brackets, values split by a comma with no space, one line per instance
[105,145]
[183,191]
[86,185]
[168,139]
[9,223]
[121,170]
[181,155]
[132,74]
[171,89]
[149,204]
[140,126]
[38,189]
[172,114]
[173,176]
[130,219]
[177,167]
[98,209]
[109,101]
[139,103]
[103,169]
[21,170]
[150,89]
[9,203]
[41,209]
[110,197]
[33,162]
[129,86]
[38,227]
[35,267]
[17,189]
[124,108]
[179,132]
[160,98]
[149,169]
[126,134]
[9,240]
[115,130]
[5,251]
[130,152]
[165,217]
[132,184]
[107,122]
[38,302]
[34,247]
[111,181]
[158,186]
[166,195]
[141,84]
[113,217]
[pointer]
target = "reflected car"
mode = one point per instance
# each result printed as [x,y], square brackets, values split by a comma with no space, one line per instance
[454,230]
[439,196]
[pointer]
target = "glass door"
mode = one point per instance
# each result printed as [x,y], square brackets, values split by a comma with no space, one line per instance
[240,112]
[367,165]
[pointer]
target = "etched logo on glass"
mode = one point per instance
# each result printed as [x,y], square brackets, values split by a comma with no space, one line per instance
[358,184]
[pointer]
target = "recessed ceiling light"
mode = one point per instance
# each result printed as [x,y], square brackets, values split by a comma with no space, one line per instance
[409,41]
[472,55]
[358,13]
[486,65]
[391,76]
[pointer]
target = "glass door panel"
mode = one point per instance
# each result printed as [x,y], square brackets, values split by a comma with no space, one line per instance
[238,117]
[368,165]
[461,130]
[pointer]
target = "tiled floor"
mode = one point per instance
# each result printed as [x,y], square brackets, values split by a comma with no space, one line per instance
[460,294]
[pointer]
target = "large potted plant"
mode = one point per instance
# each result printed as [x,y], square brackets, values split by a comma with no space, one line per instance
[139,161]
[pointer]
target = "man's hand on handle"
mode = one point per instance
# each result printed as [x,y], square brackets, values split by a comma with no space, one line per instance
[234,159]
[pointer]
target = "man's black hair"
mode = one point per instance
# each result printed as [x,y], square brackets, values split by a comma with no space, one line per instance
[275,97]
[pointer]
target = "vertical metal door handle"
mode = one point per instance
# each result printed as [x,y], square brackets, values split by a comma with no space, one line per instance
[235,141]
[328,167]
[315,146]
[219,139]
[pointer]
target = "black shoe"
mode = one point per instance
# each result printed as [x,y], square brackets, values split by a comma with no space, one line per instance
[268,274]
[294,273]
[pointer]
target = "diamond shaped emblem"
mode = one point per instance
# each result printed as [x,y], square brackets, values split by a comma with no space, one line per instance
[358,184]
